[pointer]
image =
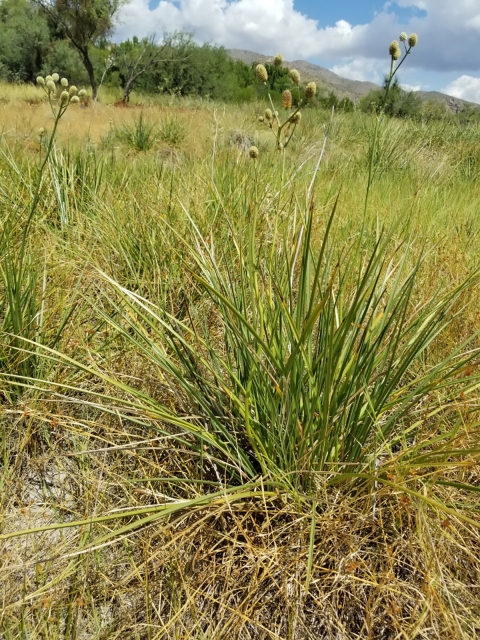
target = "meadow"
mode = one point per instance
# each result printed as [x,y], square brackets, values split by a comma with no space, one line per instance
[239,395]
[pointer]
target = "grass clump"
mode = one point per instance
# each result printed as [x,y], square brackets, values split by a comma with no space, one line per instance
[139,135]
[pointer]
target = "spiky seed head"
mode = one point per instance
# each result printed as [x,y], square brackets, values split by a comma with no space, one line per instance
[48,78]
[296,117]
[64,82]
[286,99]
[82,93]
[55,77]
[261,118]
[413,39]
[394,50]
[268,115]
[253,153]
[41,81]
[403,37]
[278,60]
[51,85]
[295,76]
[64,97]
[261,73]
[73,90]
[74,99]
[310,90]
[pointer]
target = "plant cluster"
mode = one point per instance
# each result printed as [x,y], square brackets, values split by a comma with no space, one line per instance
[284,128]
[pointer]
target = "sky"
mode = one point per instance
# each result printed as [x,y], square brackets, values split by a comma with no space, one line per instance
[350,37]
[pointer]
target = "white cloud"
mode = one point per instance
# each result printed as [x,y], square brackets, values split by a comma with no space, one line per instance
[465,87]
[448,34]
[411,87]
[361,69]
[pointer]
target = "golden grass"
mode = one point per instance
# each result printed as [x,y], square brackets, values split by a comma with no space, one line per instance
[376,566]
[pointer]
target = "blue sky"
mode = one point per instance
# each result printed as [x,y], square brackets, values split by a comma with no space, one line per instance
[351,37]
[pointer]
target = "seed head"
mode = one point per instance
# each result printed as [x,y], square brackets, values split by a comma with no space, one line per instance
[253,153]
[278,60]
[74,99]
[286,99]
[55,77]
[261,72]
[403,37]
[51,85]
[296,117]
[64,82]
[41,132]
[261,118]
[280,146]
[295,76]
[82,93]
[64,97]
[268,115]
[310,90]
[48,78]
[41,81]
[413,39]
[394,50]
[73,90]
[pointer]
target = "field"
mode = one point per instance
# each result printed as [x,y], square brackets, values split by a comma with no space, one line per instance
[239,397]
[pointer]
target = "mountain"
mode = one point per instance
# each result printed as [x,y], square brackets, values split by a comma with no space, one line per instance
[353,89]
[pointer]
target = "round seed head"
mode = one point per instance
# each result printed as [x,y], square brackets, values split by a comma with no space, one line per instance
[253,153]
[394,50]
[286,99]
[73,90]
[403,37]
[64,97]
[48,78]
[295,76]
[261,118]
[41,132]
[51,85]
[55,77]
[296,117]
[278,60]
[82,93]
[310,90]
[413,39]
[268,115]
[74,99]
[41,81]
[64,82]
[261,73]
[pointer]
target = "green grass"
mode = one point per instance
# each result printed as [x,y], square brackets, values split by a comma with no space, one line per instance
[234,404]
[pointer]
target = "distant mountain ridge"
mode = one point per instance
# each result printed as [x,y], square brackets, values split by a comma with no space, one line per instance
[353,89]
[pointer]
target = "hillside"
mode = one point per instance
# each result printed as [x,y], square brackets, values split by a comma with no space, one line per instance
[354,89]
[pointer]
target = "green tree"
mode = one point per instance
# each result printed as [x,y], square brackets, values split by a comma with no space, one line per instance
[24,40]
[399,103]
[85,23]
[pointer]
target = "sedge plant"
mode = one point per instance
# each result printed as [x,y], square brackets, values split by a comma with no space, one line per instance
[23,268]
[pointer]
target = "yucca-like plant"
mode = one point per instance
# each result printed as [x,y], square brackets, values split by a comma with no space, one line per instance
[316,366]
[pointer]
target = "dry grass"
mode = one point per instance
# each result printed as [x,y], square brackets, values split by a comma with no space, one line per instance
[336,565]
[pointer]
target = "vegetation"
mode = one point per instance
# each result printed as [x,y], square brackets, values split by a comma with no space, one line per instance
[239,372]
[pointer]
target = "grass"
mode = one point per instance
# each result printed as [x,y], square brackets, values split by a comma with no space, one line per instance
[215,424]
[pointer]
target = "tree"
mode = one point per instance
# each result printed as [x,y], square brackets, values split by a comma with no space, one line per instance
[24,40]
[84,23]
[133,59]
